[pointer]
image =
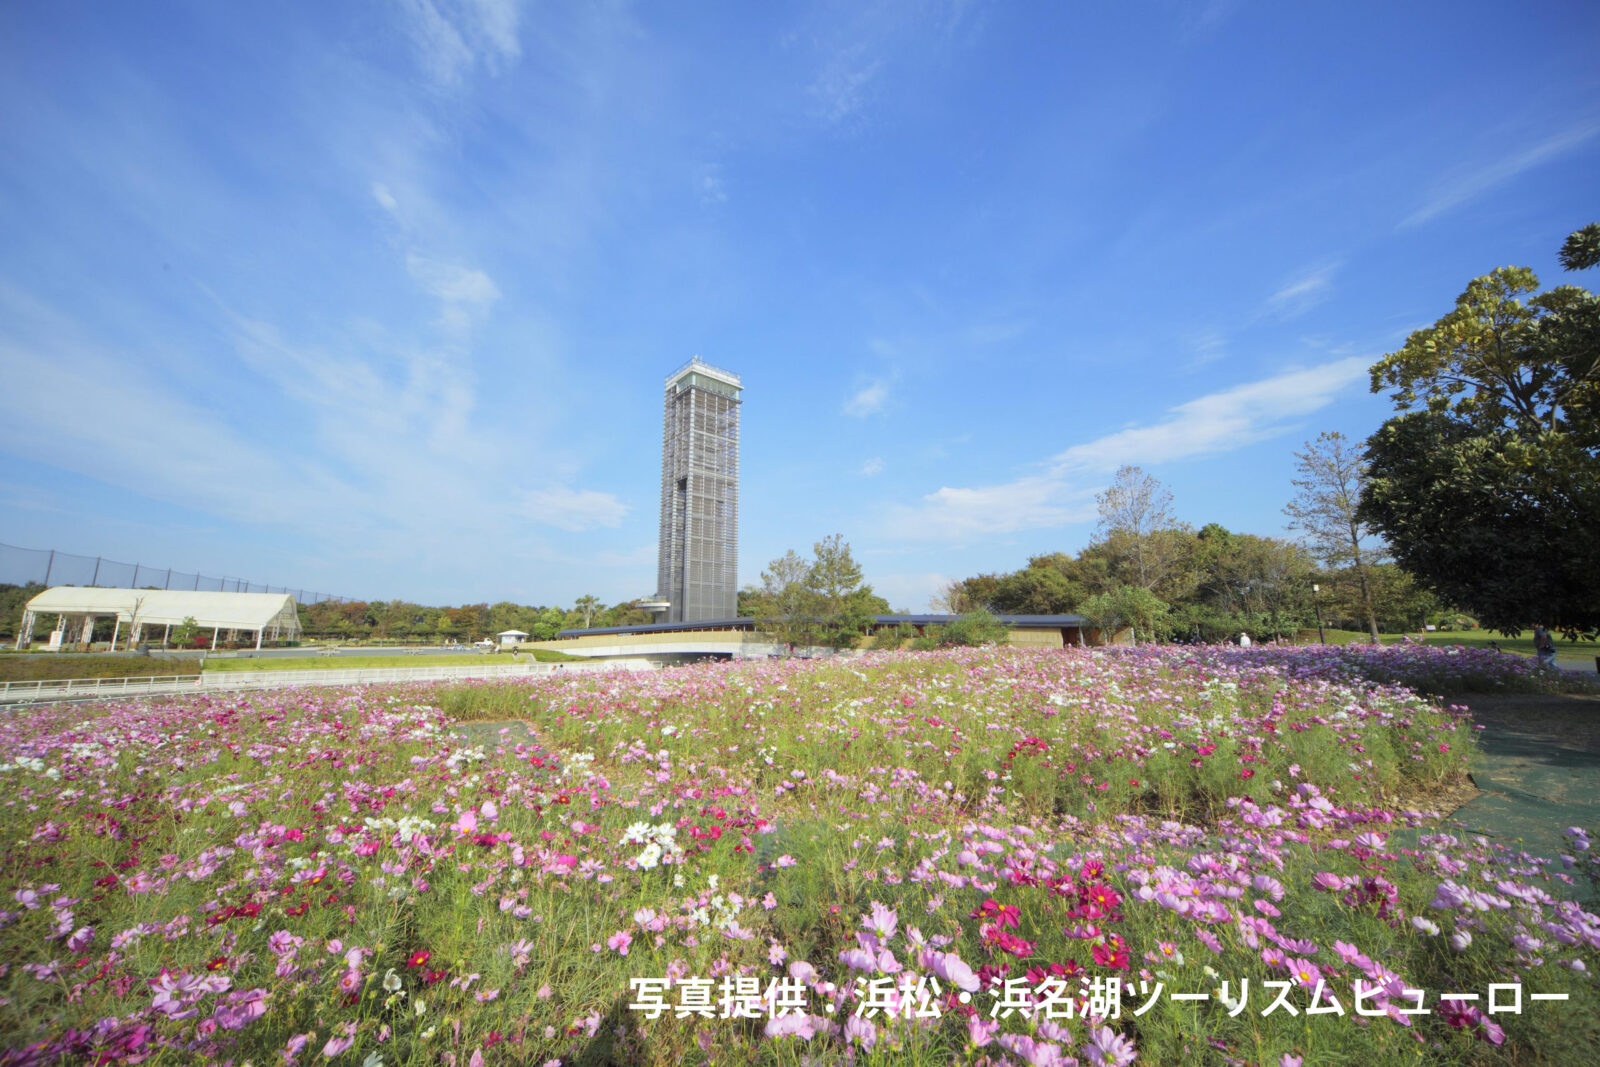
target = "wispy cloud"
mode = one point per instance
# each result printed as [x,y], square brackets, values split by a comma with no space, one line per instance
[464,293]
[1064,493]
[868,400]
[1208,346]
[841,87]
[385,199]
[571,509]
[872,466]
[1468,185]
[713,190]
[858,42]
[1301,293]
[451,38]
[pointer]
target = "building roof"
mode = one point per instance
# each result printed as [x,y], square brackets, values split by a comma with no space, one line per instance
[747,623]
[512,633]
[228,611]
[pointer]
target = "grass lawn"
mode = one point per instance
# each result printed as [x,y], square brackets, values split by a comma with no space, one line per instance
[1576,655]
[345,663]
[69,665]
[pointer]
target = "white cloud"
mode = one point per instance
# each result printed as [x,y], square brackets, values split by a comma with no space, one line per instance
[713,190]
[451,283]
[872,466]
[1218,422]
[1303,292]
[1459,189]
[439,45]
[573,509]
[464,293]
[841,86]
[954,514]
[1064,493]
[868,401]
[1209,346]
[385,198]
[451,38]
[910,591]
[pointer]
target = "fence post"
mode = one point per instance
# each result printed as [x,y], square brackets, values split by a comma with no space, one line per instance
[169,579]
[48,567]
[96,579]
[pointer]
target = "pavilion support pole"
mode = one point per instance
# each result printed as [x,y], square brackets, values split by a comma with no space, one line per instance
[258,639]
[166,634]
[115,632]
[214,631]
[25,631]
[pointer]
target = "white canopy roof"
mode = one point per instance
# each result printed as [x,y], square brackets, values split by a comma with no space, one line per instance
[512,633]
[155,607]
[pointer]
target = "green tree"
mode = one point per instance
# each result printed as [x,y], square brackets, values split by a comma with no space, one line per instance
[1333,475]
[1581,249]
[1126,606]
[1487,485]
[184,633]
[975,628]
[587,607]
[786,610]
[893,637]
[818,601]
[549,622]
[1038,589]
[843,602]
[1135,526]
[13,601]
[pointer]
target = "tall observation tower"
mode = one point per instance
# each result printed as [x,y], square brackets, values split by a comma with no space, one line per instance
[699,554]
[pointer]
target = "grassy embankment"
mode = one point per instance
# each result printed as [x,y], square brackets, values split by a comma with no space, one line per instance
[34,668]
[350,663]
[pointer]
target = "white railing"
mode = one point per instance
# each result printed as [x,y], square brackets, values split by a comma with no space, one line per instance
[225,681]
[81,687]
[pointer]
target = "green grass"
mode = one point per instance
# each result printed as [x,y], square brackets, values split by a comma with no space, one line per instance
[67,665]
[1577,655]
[345,663]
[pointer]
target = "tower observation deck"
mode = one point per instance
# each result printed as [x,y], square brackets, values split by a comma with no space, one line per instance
[698,561]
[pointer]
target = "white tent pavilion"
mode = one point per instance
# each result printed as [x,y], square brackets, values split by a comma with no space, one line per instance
[509,638]
[272,615]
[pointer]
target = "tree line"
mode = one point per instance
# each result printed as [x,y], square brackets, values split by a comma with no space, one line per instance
[1160,577]
[1480,498]
[400,620]
[388,620]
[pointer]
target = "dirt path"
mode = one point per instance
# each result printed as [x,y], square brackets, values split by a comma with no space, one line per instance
[1540,771]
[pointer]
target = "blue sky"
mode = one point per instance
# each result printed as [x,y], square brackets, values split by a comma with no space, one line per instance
[378,298]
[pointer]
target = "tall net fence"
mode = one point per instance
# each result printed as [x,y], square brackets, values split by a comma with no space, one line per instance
[45,566]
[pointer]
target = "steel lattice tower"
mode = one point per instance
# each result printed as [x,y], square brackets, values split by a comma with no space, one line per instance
[698,571]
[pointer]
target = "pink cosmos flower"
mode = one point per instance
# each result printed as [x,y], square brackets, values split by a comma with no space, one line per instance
[620,941]
[340,1041]
[1110,1048]
[949,966]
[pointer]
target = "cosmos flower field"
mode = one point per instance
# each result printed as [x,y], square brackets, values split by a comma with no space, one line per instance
[1160,856]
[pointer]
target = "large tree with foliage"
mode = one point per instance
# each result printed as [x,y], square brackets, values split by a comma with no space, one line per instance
[1333,474]
[1487,485]
[818,601]
[1127,606]
[1136,526]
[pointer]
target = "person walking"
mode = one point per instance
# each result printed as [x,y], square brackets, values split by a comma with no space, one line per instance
[1543,646]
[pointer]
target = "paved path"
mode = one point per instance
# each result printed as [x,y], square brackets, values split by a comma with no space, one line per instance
[1540,770]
